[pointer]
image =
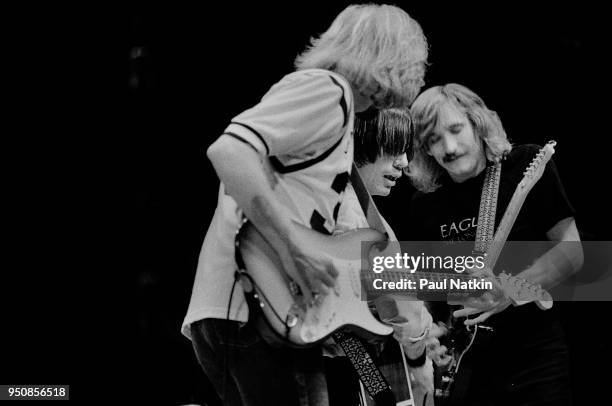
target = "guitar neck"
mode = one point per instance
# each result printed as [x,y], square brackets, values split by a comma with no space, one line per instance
[531,175]
[505,225]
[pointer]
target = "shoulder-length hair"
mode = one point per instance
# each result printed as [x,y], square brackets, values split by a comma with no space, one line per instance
[423,170]
[385,132]
[377,48]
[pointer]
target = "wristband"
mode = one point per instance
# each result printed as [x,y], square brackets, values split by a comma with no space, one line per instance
[417,362]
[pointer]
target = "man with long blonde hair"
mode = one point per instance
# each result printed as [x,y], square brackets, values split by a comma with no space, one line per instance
[458,142]
[287,160]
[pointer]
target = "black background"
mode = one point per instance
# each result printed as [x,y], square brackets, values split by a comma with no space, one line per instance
[541,70]
[111,324]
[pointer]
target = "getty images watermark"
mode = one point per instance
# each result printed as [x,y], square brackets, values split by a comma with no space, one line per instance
[431,270]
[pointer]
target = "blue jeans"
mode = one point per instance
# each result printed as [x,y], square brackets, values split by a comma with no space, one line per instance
[245,370]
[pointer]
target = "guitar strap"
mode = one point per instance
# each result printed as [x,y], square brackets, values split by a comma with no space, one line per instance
[373,380]
[484,237]
[487,210]
[366,202]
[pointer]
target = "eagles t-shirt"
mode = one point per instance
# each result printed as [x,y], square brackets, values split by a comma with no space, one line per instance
[450,213]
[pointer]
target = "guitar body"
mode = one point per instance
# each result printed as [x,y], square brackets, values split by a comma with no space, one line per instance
[282,321]
[462,344]
[288,322]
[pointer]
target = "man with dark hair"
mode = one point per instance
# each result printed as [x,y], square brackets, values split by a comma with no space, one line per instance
[381,141]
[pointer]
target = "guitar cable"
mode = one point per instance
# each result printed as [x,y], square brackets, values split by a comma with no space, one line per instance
[240,265]
[226,346]
[467,348]
[252,296]
[239,262]
[240,271]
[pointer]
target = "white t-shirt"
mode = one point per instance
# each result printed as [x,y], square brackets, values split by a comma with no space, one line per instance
[304,123]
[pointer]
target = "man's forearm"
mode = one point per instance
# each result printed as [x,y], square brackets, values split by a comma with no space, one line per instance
[561,261]
[556,265]
[242,171]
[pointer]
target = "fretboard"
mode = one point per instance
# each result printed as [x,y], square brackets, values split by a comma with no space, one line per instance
[531,176]
[505,225]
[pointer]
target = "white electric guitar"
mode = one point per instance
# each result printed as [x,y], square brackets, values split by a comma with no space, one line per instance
[291,323]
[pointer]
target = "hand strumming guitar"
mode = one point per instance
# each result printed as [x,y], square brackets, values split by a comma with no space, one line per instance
[312,270]
[436,352]
[248,178]
[412,328]
[487,304]
[423,376]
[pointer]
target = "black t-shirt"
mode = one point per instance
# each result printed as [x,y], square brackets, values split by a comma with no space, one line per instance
[451,213]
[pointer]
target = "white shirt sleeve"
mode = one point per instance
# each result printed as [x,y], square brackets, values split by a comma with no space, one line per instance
[302,114]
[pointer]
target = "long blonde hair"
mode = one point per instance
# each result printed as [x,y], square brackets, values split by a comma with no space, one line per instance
[423,170]
[377,48]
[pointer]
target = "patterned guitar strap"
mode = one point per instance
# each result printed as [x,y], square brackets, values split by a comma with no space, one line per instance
[484,236]
[487,210]
[373,380]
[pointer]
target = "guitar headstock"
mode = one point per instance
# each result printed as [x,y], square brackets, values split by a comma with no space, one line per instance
[522,292]
[536,168]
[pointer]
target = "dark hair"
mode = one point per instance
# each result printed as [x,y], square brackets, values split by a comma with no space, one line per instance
[384,132]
